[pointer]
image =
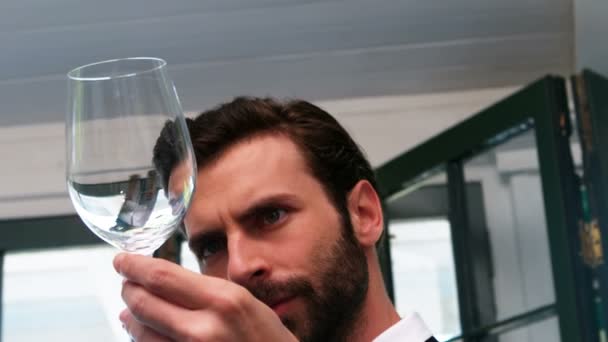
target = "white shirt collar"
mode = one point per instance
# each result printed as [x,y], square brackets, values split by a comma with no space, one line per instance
[408,329]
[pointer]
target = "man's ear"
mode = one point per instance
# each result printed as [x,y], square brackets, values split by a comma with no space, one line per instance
[365,213]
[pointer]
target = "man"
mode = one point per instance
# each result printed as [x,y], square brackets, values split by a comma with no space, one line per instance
[284,223]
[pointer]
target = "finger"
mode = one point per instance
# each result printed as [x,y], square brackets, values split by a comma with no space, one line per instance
[139,332]
[171,281]
[154,312]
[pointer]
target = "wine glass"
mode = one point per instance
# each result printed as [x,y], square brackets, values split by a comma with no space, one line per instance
[124,121]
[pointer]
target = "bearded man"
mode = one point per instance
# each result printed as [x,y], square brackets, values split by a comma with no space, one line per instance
[284,222]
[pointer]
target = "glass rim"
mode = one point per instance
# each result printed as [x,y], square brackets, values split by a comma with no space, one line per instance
[72,76]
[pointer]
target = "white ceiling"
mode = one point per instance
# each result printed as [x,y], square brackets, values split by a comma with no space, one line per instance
[312,49]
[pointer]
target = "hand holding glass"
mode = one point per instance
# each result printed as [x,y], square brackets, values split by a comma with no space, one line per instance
[117,111]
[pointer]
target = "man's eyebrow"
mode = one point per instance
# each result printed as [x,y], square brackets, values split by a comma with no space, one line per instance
[198,239]
[254,208]
[265,203]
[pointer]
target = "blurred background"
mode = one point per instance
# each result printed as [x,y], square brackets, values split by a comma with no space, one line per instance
[395,74]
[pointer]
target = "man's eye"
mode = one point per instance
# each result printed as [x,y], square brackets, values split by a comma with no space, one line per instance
[273,215]
[212,247]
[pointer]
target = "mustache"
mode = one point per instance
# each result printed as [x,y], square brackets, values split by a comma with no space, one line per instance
[271,291]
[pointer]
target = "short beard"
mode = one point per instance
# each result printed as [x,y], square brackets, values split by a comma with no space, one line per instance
[336,306]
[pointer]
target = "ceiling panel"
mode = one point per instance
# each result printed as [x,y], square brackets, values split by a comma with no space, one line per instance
[20,15]
[398,70]
[322,27]
[312,49]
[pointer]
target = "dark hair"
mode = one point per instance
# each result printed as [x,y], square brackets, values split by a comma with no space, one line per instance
[332,155]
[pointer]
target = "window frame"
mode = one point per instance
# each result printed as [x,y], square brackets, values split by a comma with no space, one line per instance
[543,103]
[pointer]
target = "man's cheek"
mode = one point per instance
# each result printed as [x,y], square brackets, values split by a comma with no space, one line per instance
[215,268]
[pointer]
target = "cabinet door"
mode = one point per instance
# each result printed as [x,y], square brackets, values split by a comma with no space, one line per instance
[505,182]
[590,91]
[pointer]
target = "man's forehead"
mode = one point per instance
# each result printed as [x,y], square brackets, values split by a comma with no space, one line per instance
[255,168]
[267,151]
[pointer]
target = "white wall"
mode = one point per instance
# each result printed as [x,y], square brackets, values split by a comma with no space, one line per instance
[32,176]
[590,28]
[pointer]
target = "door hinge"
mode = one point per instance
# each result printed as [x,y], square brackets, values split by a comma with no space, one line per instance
[591,243]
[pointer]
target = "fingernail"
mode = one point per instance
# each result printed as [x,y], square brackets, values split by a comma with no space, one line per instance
[118,260]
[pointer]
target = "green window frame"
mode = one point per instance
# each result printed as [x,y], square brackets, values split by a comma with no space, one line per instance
[543,103]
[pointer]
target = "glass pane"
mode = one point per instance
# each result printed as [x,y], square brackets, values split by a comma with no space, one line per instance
[543,330]
[546,330]
[421,254]
[62,295]
[512,207]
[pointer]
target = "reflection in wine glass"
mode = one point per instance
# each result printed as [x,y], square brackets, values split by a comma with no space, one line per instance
[179,192]
[139,202]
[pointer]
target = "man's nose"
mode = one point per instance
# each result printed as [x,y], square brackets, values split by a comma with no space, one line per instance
[246,260]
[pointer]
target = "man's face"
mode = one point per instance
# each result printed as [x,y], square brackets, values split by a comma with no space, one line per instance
[260,219]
